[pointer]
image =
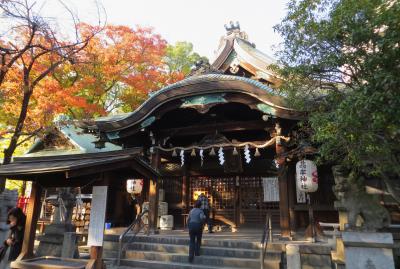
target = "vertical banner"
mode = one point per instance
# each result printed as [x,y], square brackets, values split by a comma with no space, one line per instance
[271,189]
[97,216]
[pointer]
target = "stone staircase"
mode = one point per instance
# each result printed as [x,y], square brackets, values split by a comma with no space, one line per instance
[168,252]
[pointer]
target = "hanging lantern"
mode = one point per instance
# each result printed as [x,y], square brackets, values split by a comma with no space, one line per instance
[134,186]
[257,153]
[193,153]
[212,152]
[174,154]
[306,176]
[235,152]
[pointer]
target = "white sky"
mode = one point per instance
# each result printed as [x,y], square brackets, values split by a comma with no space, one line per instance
[200,22]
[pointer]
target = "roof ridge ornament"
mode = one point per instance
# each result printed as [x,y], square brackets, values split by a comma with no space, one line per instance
[202,67]
[233,29]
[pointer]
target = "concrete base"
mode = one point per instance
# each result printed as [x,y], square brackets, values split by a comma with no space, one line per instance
[293,257]
[368,250]
[51,242]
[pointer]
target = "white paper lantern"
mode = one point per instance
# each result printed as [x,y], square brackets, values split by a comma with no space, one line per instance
[306,176]
[134,186]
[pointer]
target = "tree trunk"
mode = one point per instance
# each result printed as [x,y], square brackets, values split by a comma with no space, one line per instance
[8,152]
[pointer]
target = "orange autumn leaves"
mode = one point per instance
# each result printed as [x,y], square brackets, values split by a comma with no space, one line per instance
[113,73]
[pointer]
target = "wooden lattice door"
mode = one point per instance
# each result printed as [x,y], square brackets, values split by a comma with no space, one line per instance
[221,195]
[252,206]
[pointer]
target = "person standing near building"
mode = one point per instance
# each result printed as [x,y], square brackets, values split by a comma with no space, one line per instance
[195,223]
[205,206]
[16,219]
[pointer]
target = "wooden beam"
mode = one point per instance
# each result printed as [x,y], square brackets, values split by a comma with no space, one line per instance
[33,211]
[221,127]
[142,169]
[153,194]
[98,169]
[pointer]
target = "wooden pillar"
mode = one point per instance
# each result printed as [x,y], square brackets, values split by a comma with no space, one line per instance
[283,183]
[145,191]
[284,201]
[2,184]
[33,212]
[292,195]
[185,194]
[153,194]
[237,202]
[96,253]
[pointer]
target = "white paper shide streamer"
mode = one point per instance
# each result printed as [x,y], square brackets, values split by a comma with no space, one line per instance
[247,154]
[201,156]
[182,154]
[221,156]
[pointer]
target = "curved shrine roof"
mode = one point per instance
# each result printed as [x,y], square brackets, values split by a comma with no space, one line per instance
[269,100]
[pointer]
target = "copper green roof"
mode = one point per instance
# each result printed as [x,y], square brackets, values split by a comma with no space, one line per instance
[200,86]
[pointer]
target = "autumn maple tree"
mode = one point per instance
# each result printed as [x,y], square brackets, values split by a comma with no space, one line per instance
[30,51]
[121,66]
[104,69]
[117,70]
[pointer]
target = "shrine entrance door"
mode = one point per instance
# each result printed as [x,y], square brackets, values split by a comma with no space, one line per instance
[235,201]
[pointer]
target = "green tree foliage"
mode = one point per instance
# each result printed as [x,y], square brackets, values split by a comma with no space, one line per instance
[181,57]
[341,62]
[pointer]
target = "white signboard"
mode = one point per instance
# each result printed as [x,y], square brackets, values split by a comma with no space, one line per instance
[271,189]
[97,216]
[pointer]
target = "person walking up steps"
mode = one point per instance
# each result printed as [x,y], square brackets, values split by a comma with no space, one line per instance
[205,206]
[195,223]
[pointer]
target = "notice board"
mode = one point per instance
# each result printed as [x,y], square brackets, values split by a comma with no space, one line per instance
[97,216]
[271,189]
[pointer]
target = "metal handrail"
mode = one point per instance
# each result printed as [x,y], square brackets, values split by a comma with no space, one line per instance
[267,236]
[130,227]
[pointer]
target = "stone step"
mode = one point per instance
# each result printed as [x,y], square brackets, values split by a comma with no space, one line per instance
[110,254]
[112,242]
[315,256]
[311,261]
[205,250]
[152,264]
[203,260]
